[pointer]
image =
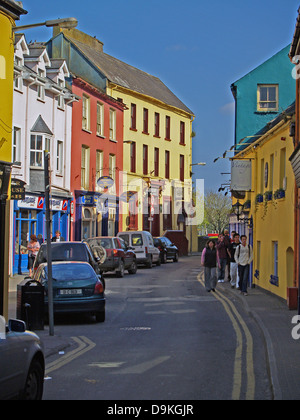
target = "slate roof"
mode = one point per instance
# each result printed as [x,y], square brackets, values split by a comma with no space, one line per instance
[41,127]
[129,77]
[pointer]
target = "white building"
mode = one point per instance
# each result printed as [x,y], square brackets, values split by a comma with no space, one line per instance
[42,120]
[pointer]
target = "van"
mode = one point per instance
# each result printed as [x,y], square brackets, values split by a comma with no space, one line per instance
[143,245]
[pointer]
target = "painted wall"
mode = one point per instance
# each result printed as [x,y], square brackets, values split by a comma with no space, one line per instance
[276,70]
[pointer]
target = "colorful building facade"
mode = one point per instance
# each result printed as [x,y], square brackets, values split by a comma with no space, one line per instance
[270,205]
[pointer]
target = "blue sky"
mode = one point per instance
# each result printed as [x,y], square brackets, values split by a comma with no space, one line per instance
[196,48]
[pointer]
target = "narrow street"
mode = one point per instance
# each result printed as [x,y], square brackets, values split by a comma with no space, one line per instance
[164,338]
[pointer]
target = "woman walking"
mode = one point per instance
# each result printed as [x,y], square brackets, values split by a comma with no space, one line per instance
[33,248]
[210,260]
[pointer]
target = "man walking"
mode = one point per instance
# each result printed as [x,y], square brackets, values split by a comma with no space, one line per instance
[243,257]
[233,265]
[222,250]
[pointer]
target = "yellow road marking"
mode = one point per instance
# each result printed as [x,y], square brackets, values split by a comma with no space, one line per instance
[237,376]
[84,345]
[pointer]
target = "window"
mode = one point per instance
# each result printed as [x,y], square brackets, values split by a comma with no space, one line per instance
[133,117]
[145,159]
[275,258]
[36,151]
[41,87]
[168,128]
[271,188]
[267,98]
[100,115]
[181,167]
[156,124]
[60,157]
[18,82]
[99,164]
[112,171]
[85,112]
[60,99]
[112,124]
[16,150]
[282,174]
[182,132]
[167,164]
[85,167]
[133,157]
[262,176]
[145,121]
[156,161]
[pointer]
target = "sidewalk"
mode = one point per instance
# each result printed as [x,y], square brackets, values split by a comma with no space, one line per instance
[52,345]
[272,316]
[283,352]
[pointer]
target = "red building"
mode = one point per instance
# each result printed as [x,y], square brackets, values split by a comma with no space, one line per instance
[97,152]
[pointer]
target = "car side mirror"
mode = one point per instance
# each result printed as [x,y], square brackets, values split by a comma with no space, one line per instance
[15,325]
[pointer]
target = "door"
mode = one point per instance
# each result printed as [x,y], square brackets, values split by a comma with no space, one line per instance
[25,226]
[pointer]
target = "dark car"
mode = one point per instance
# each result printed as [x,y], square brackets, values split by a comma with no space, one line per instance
[22,363]
[69,251]
[119,257]
[76,288]
[168,251]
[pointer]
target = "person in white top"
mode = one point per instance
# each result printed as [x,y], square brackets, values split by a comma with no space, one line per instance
[243,257]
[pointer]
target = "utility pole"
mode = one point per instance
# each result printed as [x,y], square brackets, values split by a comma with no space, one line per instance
[49,250]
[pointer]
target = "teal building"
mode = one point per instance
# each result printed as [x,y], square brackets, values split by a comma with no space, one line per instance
[263,94]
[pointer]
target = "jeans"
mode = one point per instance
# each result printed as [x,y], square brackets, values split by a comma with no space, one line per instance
[223,263]
[234,274]
[244,277]
[210,275]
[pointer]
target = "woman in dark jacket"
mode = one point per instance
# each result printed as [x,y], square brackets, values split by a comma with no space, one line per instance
[210,260]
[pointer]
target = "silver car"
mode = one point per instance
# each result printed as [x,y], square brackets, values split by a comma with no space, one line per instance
[22,363]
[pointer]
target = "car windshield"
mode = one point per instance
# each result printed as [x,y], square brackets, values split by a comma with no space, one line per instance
[67,272]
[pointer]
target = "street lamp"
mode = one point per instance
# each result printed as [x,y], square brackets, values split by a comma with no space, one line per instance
[237,209]
[5,171]
[66,23]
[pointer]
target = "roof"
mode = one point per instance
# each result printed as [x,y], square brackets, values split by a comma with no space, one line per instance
[129,77]
[296,37]
[41,127]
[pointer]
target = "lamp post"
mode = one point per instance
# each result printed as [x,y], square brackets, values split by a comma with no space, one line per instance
[5,171]
[66,23]
[191,229]
[237,209]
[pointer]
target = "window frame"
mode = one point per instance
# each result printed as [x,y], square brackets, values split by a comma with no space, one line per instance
[86,109]
[259,101]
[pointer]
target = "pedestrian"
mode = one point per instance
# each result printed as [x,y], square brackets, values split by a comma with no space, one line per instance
[58,237]
[210,260]
[227,241]
[233,265]
[232,236]
[222,251]
[33,248]
[243,257]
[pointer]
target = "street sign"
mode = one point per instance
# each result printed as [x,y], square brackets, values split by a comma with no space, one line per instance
[17,189]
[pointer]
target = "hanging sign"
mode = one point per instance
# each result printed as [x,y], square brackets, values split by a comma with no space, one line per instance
[105,182]
[241,175]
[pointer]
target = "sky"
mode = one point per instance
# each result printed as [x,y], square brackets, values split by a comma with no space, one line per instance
[197,48]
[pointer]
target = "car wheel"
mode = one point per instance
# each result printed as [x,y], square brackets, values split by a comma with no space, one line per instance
[149,263]
[164,258]
[100,316]
[34,383]
[158,262]
[176,257]
[133,268]
[121,270]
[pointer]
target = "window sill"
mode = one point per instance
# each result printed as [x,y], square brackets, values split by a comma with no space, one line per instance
[100,136]
[167,139]
[133,129]
[113,141]
[86,130]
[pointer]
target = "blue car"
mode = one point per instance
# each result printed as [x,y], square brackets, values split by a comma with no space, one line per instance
[76,288]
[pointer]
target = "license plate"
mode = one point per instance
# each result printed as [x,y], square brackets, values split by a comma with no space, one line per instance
[68,292]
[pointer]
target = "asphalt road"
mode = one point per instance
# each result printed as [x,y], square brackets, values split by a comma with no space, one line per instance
[164,338]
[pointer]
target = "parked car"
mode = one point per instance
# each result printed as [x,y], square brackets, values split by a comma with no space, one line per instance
[168,251]
[142,243]
[71,251]
[22,363]
[119,256]
[76,288]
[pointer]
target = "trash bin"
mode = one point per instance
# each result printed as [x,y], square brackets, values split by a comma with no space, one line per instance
[30,304]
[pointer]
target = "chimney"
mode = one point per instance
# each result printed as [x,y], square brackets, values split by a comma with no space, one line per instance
[77,35]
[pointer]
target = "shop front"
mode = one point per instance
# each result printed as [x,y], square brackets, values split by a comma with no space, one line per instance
[29,219]
[96,215]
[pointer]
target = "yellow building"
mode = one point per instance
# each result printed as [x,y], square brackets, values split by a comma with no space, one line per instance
[157,135]
[271,204]
[10,11]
